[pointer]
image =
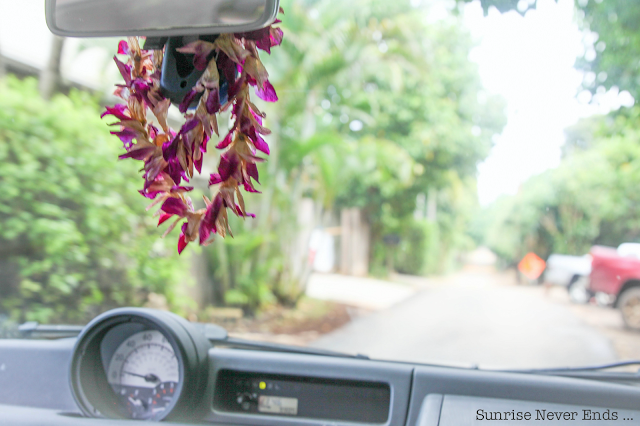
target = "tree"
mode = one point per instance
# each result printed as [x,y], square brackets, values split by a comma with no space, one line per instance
[376,107]
[591,198]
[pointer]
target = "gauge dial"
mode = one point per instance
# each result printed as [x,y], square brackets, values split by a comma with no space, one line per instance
[144,372]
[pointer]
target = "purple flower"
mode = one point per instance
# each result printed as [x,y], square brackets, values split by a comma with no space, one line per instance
[123,48]
[201,50]
[140,151]
[118,111]
[252,171]
[125,71]
[265,38]
[258,142]
[182,240]
[228,167]
[175,171]
[164,217]
[267,92]
[142,91]
[126,136]
[249,188]
[188,99]
[210,218]
[246,214]
[169,157]
[213,101]
[226,141]
[228,68]
[215,179]
[174,206]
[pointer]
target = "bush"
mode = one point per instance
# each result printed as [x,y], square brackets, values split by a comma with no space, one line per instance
[417,253]
[75,238]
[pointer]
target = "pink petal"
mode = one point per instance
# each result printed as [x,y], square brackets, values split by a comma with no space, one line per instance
[163,218]
[215,179]
[182,243]
[123,48]
[186,102]
[175,206]
[267,93]
[260,143]
[226,141]
[228,166]
[117,111]
[139,153]
[252,171]
[213,102]
[126,136]
[201,50]
[125,70]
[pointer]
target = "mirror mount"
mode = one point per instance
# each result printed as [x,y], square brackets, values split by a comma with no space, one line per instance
[179,75]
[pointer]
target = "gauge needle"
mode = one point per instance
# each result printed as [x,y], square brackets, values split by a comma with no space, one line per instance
[147,378]
[135,402]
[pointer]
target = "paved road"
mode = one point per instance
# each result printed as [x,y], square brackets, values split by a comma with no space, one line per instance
[475,317]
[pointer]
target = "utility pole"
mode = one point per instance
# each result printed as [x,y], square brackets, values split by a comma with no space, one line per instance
[50,75]
[3,67]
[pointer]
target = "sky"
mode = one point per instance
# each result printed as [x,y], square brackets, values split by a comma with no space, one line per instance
[529,61]
[25,37]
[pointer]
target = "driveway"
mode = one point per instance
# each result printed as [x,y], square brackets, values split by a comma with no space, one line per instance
[475,317]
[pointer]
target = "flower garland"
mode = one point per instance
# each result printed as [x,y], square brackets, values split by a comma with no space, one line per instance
[169,157]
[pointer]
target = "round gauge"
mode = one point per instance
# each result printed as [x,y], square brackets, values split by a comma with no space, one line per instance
[144,371]
[141,364]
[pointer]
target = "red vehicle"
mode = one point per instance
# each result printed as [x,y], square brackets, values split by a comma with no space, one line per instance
[618,275]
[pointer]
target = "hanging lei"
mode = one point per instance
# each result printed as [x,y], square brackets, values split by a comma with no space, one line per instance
[169,157]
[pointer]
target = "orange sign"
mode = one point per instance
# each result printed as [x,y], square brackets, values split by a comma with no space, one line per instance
[531,266]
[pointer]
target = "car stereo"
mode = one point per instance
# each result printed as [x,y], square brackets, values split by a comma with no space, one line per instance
[297,396]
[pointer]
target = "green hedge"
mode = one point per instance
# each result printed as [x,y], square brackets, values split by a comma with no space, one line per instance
[75,239]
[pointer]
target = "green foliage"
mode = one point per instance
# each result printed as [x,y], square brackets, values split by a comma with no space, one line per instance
[415,254]
[414,91]
[591,198]
[412,86]
[615,26]
[74,234]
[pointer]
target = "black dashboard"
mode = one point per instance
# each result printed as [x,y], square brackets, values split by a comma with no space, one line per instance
[130,365]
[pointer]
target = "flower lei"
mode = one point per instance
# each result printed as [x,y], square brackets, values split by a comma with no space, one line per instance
[169,157]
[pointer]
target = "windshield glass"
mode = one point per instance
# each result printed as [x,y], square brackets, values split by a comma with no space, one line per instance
[449,181]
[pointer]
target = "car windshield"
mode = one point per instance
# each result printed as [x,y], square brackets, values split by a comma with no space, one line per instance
[449,182]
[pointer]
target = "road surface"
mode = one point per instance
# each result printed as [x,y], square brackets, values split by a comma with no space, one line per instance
[475,317]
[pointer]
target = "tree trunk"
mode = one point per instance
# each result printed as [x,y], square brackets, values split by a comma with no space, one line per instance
[3,67]
[50,75]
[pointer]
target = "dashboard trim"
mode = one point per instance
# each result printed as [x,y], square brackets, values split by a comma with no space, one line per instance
[517,387]
[397,376]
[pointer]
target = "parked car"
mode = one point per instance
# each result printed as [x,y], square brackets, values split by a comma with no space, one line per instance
[616,272]
[571,272]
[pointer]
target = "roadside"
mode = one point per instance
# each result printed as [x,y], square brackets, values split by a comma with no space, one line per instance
[605,320]
[293,326]
[331,302]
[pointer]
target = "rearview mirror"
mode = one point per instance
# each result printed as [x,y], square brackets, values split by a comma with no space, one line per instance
[104,18]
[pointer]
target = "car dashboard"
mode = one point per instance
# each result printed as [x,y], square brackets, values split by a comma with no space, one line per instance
[154,378]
